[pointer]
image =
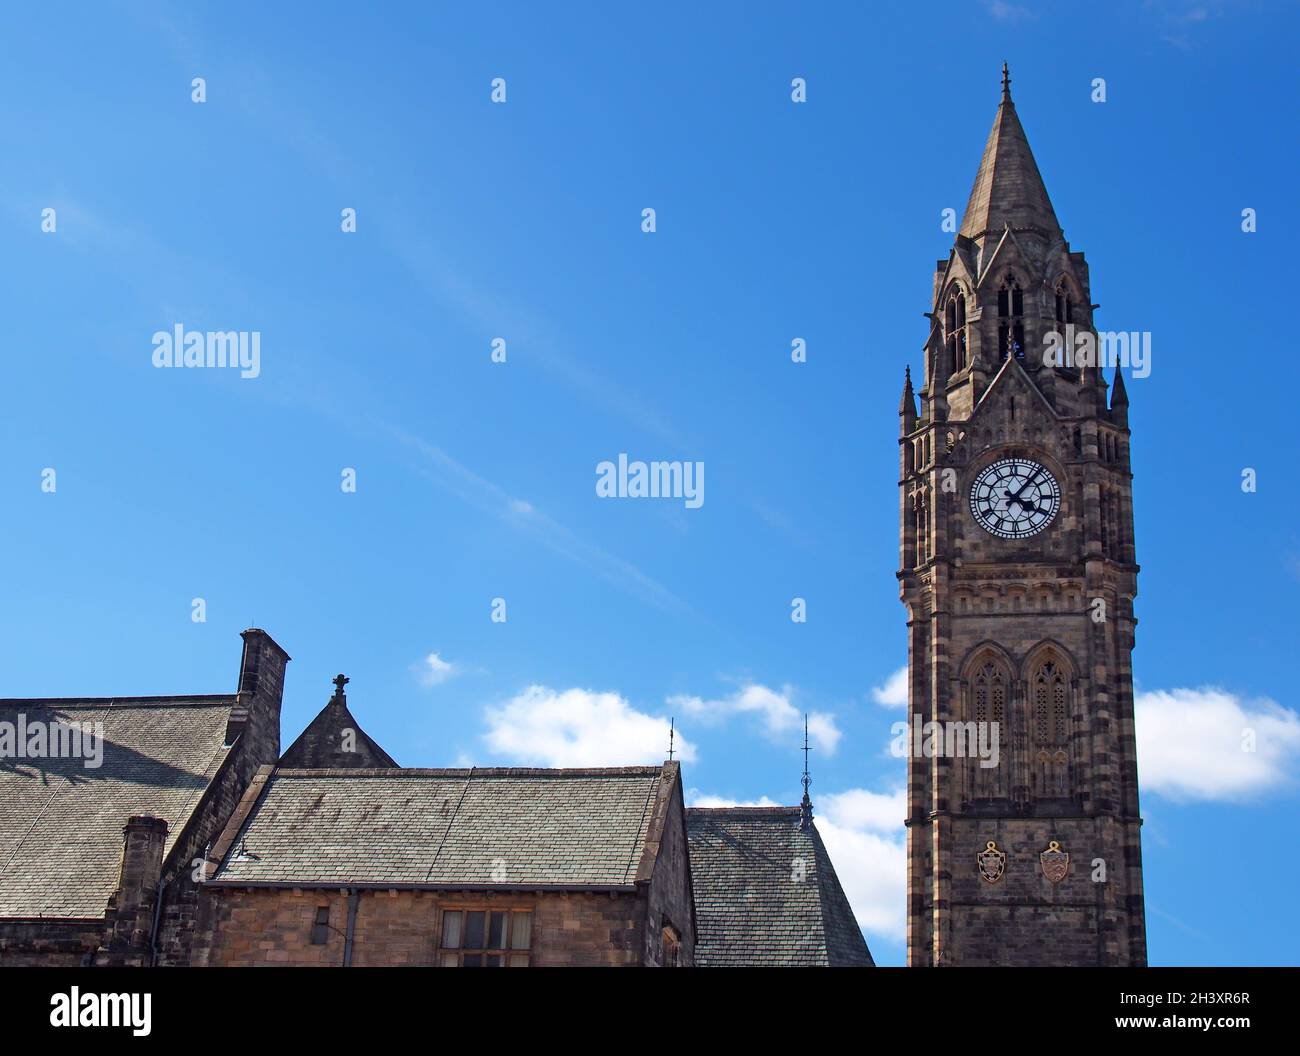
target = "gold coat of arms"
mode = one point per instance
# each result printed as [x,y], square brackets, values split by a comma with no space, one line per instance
[1055,862]
[992,862]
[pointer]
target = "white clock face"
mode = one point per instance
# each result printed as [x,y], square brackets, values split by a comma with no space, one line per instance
[1014,498]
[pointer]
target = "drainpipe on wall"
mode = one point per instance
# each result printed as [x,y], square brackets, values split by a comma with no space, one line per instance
[354,898]
[157,916]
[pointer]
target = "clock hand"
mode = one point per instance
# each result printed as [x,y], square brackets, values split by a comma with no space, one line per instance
[1028,481]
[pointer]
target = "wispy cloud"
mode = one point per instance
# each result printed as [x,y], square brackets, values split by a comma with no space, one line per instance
[493,499]
[1179,19]
[434,670]
[774,711]
[1157,911]
[1008,12]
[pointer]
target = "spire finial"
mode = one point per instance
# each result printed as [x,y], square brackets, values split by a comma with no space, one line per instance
[907,405]
[1006,82]
[340,680]
[805,808]
[672,733]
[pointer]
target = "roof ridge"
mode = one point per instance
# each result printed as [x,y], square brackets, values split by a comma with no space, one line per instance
[478,771]
[774,811]
[195,699]
[833,901]
[642,825]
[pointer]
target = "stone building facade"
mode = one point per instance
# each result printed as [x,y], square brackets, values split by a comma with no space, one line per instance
[97,862]
[1018,572]
[194,842]
[485,867]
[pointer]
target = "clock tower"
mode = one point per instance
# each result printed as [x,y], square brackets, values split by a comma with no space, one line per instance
[1018,575]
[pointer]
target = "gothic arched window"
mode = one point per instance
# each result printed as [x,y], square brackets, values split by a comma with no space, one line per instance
[954,329]
[1064,303]
[1011,322]
[988,705]
[1049,728]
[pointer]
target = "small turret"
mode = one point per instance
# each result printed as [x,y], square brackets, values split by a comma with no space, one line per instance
[1119,400]
[907,405]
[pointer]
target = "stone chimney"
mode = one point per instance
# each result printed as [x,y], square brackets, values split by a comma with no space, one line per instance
[256,714]
[129,919]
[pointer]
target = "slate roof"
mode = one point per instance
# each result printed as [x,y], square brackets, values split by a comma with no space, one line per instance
[531,828]
[749,909]
[61,822]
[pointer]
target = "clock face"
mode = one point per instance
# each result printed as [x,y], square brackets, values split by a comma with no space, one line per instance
[1014,498]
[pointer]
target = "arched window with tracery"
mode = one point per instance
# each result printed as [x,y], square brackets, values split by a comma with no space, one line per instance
[954,329]
[1011,321]
[1049,728]
[988,705]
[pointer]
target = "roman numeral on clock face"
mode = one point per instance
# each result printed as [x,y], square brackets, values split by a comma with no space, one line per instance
[1014,498]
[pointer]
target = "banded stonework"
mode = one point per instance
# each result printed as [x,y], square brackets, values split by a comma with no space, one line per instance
[1033,633]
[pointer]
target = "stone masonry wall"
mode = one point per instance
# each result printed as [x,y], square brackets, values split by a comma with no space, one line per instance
[400,928]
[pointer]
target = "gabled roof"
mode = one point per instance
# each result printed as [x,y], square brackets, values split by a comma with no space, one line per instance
[1010,375]
[1008,188]
[750,908]
[61,821]
[579,829]
[325,743]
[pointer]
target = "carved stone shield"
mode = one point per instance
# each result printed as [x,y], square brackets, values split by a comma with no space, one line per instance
[1055,862]
[992,862]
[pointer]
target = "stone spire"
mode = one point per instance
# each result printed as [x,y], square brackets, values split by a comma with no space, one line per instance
[1008,189]
[907,405]
[1119,395]
[1118,400]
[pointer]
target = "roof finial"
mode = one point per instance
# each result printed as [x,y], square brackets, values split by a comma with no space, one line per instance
[1006,82]
[672,733]
[340,681]
[805,807]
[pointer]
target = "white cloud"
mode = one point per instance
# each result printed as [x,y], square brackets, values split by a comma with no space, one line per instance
[433,670]
[780,719]
[694,799]
[893,694]
[1192,744]
[864,834]
[579,727]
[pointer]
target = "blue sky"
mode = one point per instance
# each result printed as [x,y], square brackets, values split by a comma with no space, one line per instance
[522,221]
